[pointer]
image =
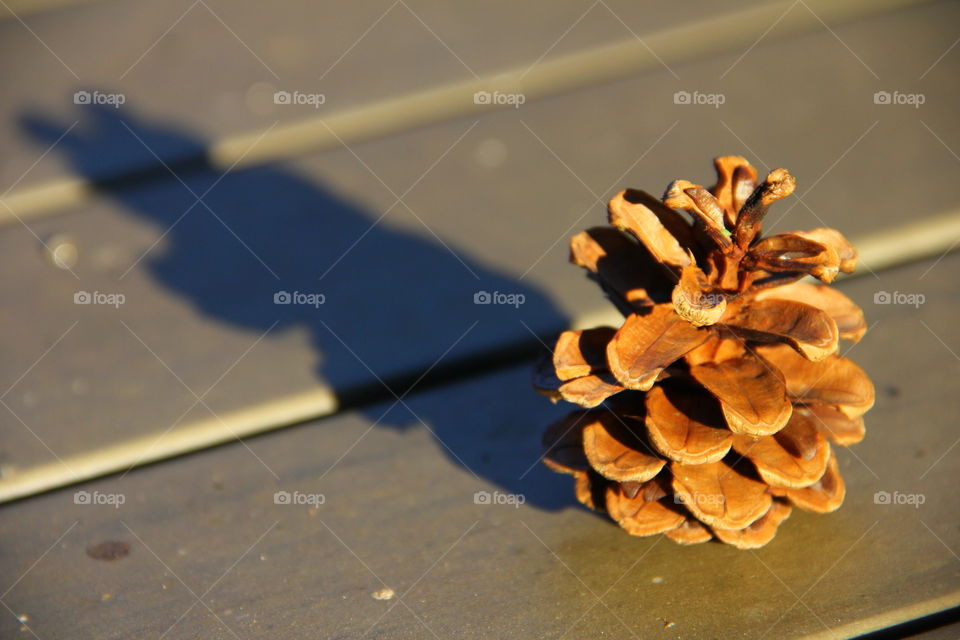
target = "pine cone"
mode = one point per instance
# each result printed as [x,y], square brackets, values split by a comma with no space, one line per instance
[709,412]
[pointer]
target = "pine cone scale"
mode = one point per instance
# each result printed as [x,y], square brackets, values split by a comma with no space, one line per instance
[679,426]
[645,345]
[752,394]
[719,495]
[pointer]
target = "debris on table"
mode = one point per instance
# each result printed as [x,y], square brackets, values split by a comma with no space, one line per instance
[383,594]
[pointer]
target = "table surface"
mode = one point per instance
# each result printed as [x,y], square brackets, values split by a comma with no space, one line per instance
[388,399]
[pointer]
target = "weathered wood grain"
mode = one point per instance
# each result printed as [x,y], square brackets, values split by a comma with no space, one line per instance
[199,298]
[213,67]
[399,512]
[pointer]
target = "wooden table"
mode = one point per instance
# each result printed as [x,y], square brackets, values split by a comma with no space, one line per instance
[150,440]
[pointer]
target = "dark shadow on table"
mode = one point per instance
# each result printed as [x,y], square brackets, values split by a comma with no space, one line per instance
[263,235]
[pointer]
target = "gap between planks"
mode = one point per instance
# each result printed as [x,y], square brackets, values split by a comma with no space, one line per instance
[888,619]
[552,77]
[935,236]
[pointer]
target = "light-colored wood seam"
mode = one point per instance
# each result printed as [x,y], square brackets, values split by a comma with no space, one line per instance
[908,243]
[203,434]
[23,8]
[889,618]
[554,76]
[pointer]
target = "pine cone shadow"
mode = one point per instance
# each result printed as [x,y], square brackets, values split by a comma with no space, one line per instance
[266,231]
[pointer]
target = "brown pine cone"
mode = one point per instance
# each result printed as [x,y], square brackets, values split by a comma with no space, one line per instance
[709,412]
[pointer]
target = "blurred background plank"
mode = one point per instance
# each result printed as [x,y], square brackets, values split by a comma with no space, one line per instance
[213,67]
[398,511]
[485,205]
[20,9]
[230,88]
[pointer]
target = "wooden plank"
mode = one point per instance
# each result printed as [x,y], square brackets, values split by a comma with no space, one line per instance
[399,512]
[601,64]
[213,67]
[200,302]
